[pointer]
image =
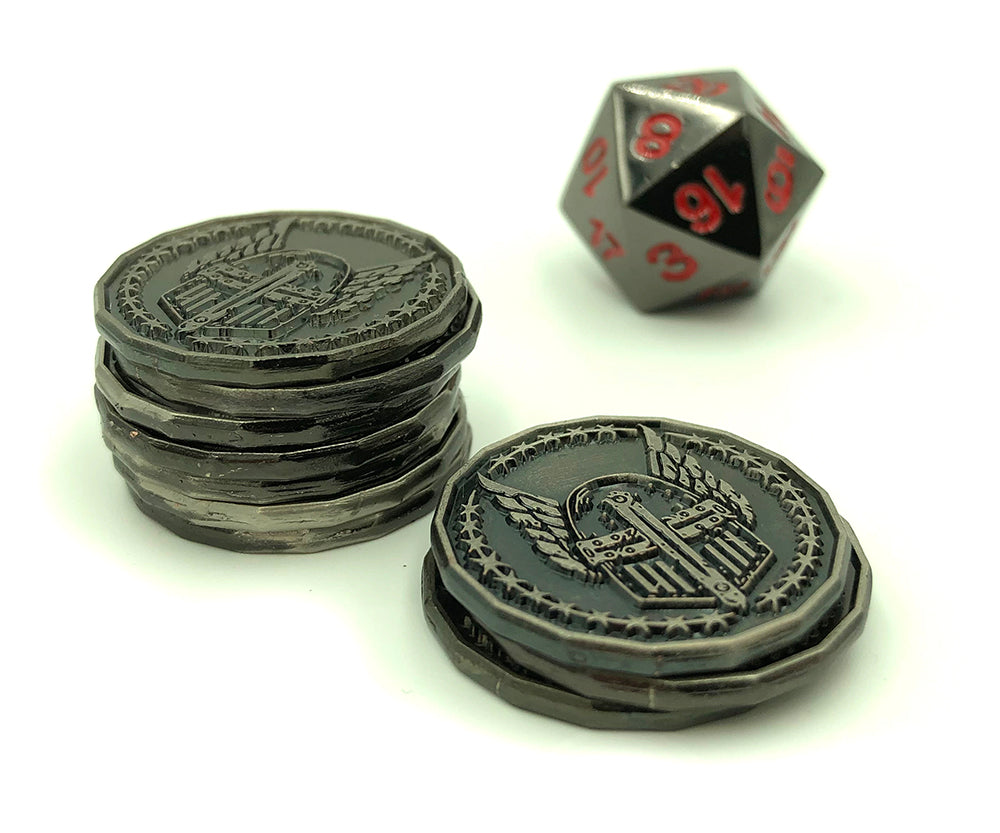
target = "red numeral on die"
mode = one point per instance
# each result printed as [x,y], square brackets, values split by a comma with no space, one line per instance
[780,180]
[698,86]
[592,164]
[693,201]
[600,234]
[656,135]
[768,115]
[672,255]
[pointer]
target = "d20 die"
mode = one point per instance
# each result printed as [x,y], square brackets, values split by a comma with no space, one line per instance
[688,188]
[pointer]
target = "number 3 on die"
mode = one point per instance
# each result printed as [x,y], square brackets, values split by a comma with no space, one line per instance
[679,265]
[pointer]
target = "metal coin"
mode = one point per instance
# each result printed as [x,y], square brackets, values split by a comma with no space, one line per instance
[740,689]
[379,467]
[310,539]
[288,517]
[641,546]
[279,299]
[476,653]
[314,537]
[274,432]
[415,437]
[421,374]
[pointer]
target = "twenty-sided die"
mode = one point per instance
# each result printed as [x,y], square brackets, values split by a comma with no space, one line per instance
[688,188]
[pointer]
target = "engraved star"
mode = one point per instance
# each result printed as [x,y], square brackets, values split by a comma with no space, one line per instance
[470,508]
[765,474]
[784,489]
[795,584]
[434,278]
[743,459]
[807,543]
[534,598]
[509,583]
[722,449]
[796,506]
[474,539]
[574,435]
[696,441]
[606,433]
[771,601]
[502,464]
[598,619]
[548,439]
[521,451]
[489,565]
[562,611]
[807,526]
[807,565]
[676,626]
[639,626]
[714,623]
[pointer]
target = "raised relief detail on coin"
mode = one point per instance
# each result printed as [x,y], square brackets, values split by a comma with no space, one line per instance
[637,530]
[245,289]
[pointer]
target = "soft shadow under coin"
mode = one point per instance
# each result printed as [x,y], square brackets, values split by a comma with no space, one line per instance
[372,589]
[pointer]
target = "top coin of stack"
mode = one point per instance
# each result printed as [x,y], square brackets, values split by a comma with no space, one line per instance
[285,381]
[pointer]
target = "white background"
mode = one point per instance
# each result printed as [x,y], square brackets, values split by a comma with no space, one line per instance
[149,683]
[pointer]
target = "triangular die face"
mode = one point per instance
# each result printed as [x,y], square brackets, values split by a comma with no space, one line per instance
[658,129]
[594,187]
[784,179]
[717,86]
[711,195]
[755,105]
[663,266]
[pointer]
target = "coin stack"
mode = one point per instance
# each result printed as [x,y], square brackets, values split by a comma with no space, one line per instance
[640,573]
[285,382]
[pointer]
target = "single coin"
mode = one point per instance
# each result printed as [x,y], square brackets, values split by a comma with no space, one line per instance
[281,298]
[737,689]
[410,439]
[415,379]
[641,546]
[476,653]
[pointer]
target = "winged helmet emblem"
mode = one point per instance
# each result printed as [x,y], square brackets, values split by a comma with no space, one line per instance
[701,552]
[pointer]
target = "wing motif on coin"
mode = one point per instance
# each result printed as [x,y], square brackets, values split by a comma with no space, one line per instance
[253,289]
[543,521]
[702,552]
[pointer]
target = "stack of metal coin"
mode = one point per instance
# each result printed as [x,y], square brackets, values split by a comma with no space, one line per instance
[640,573]
[285,382]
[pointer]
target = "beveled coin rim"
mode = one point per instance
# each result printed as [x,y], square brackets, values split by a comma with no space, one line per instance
[243,436]
[316,399]
[306,540]
[725,652]
[542,697]
[736,689]
[389,464]
[225,366]
[292,515]
[449,402]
